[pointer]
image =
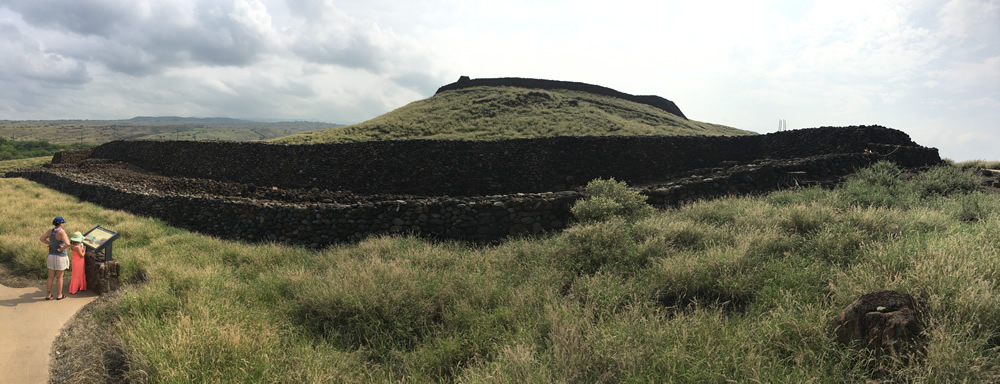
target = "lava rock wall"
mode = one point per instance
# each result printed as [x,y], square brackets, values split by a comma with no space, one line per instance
[480,168]
[477,219]
[456,189]
[764,176]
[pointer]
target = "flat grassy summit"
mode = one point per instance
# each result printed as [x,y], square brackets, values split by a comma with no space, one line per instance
[472,111]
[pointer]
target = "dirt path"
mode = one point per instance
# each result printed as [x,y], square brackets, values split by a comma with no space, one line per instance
[29,325]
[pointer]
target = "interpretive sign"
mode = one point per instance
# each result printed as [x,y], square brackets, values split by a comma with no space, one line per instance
[100,238]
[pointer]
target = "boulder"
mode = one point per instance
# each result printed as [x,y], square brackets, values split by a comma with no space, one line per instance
[881,321]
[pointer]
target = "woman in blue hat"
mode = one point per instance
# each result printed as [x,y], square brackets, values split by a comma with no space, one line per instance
[58,261]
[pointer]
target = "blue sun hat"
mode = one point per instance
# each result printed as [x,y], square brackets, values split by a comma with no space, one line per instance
[77,237]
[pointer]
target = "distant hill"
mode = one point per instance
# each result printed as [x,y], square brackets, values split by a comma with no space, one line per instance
[177,119]
[487,112]
[94,132]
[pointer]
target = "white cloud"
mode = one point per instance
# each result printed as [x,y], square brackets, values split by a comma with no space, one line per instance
[917,65]
[985,102]
[24,57]
[325,34]
[970,19]
[981,75]
[145,37]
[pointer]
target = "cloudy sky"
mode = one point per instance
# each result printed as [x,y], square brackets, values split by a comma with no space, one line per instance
[928,67]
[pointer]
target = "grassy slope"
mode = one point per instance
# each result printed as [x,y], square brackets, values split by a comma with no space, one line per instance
[979,164]
[485,113]
[102,131]
[33,162]
[403,309]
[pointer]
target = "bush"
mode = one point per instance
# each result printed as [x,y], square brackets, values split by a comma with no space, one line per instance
[878,186]
[946,180]
[610,198]
[882,173]
[972,207]
[610,245]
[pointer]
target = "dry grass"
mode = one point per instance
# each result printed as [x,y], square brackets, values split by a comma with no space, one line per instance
[88,350]
[738,289]
[9,165]
[979,164]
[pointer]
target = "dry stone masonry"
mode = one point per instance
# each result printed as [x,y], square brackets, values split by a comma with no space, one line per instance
[321,194]
[102,276]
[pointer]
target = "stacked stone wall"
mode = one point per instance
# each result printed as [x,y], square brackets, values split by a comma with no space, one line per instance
[478,219]
[764,176]
[65,157]
[479,168]
[461,190]
[102,276]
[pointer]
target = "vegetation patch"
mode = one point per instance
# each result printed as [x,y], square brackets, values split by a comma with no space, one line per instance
[610,198]
[14,149]
[737,289]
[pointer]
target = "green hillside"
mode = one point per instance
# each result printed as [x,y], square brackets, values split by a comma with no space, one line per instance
[94,132]
[488,113]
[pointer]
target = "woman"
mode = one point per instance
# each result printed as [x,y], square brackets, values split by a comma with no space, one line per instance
[79,280]
[58,260]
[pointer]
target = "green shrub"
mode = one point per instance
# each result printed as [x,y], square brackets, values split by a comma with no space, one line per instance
[610,245]
[882,173]
[878,186]
[610,198]
[973,207]
[945,180]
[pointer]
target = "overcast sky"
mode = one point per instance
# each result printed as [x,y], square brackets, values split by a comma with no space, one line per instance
[929,68]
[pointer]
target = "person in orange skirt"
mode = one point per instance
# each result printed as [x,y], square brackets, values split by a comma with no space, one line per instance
[79,280]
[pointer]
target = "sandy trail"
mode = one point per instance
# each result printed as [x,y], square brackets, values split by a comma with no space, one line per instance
[29,325]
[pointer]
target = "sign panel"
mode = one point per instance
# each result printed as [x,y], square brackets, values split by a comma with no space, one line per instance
[100,238]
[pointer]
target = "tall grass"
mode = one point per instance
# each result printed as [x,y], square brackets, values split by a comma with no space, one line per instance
[8,165]
[979,164]
[738,289]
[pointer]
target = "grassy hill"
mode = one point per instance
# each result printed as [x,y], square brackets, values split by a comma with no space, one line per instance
[487,113]
[93,132]
[737,289]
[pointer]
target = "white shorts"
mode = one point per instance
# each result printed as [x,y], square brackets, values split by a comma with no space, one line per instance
[58,263]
